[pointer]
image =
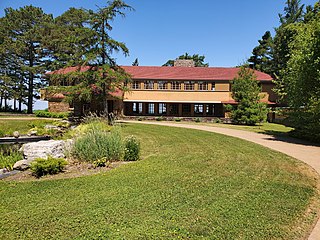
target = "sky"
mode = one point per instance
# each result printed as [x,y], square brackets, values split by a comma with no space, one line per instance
[225,32]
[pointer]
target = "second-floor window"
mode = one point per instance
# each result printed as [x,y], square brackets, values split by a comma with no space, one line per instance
[136,85]
[202,86]
[162,85]
[175,85]
[213,86]
[189,85]
[149,85]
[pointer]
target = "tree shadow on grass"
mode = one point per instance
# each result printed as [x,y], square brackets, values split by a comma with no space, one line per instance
[286,137]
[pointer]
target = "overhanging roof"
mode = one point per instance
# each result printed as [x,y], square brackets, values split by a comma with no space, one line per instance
[174,73]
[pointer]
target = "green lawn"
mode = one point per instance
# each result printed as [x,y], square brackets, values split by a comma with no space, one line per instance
[266,128]
[8,126]
[190,185]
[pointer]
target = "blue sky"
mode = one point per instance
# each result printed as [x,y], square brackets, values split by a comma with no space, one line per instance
[158,30]
[224,31]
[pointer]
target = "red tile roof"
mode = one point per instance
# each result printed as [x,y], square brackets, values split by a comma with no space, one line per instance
[188,73]
[175,73]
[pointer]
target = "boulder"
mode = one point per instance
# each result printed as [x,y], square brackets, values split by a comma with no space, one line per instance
[49,126]
[16,134]
[33,133]
[3,170]
[21,165]
[43,149]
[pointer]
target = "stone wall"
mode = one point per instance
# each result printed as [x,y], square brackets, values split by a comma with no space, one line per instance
[58,107]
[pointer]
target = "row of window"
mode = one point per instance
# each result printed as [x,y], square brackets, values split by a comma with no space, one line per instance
[173,108]
[175,85]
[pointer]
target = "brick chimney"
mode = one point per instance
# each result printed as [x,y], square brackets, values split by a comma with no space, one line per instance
[183,63]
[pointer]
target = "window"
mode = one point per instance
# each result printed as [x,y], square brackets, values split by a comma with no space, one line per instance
[210,109]
[213,86]
[136,85]
[151,108]
[202,86]
[148,85]
[173,109]
[189,85]
[137,107]
[175,85]
[162,108]
[198,108]
[162,85]
[186,108]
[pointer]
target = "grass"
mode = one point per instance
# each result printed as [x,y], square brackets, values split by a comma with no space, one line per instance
[265,128]
[190,184]
[7,127]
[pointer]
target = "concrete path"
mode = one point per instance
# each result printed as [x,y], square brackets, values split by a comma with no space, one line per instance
[301,150]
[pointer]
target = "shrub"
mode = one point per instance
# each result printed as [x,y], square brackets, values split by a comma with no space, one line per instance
[9,158]
[216,120]
[177,119]
[131,149]
[159,118]
[41,166]
[141,118]
[197,120]
[46,114]
[97,143]
[102,162]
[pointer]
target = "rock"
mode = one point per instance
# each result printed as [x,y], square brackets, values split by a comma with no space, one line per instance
[33,133]
[3,170]
[21,165]
[16,134]
[49,126]
[43,149]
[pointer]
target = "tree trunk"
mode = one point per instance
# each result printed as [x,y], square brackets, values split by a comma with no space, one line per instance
[1,98]
[20,104]
[30,83]
[30,93]
[14,104]
[5,104]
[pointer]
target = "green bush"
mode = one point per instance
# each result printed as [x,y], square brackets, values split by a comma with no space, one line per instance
[46,114]
[131,149]
[159,118]
[97,143]
[41,166]
[197,120]
[9,158]
[102,162]
[216,120]
[177,119]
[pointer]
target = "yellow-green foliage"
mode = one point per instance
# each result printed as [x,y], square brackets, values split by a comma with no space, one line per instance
[41,166]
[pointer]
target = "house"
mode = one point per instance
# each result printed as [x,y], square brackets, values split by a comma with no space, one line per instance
[179,91]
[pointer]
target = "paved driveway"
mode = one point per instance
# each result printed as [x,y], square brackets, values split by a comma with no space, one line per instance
[301,150]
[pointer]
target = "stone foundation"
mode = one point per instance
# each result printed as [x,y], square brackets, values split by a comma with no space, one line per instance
[58,107]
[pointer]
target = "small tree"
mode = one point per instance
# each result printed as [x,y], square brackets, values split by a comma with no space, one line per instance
[246,91]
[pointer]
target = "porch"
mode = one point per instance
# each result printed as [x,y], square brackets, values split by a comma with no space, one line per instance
[173,109]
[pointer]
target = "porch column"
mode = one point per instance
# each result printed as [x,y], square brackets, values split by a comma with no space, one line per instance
[192,110]
[180,109]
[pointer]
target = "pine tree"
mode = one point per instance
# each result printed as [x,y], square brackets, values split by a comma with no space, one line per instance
[246,91]
[24,30]
[262,55]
